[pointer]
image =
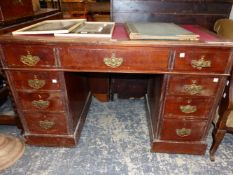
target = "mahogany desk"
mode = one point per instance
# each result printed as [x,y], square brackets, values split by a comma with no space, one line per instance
[49,76]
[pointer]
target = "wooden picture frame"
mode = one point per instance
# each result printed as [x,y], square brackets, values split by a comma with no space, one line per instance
[50,27]
[159,31]
[91,30]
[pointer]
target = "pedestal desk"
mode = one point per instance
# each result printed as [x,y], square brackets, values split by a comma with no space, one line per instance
[49,76]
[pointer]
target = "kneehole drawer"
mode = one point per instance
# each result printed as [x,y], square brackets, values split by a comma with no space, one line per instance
[127,59]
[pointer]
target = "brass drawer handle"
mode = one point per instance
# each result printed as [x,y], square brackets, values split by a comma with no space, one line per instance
[29,59]
[184,132]
[46,124]
[36,83]
[187,109]
[113,61]
[41,104]
[193,88]
[201,63]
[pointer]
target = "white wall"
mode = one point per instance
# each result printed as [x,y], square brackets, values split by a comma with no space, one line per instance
[231,15]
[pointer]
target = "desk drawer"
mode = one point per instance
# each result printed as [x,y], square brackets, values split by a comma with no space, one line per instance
[46,123]
[128,59]
[182,130]
[43,101]
[35,80]
[194,86]
[201,60]
[186,107]
[29,56]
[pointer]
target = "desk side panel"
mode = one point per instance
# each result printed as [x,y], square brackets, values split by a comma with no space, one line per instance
[155,101]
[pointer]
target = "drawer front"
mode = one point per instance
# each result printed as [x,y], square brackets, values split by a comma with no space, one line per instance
[182,130]
[194,86]
[46,123]
[46,101]
[186,107]
[127,59]
[35,80]
[201,60]
[29,56]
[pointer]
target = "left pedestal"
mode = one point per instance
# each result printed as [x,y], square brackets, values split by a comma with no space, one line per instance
[52,105]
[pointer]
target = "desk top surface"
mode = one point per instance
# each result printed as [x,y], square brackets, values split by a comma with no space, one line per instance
[120,36]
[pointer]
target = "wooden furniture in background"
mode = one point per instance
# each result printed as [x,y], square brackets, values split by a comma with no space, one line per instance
[15,9]
[49,78]
[19,13]
[4,93]
[9,118]
[78,9]
[53,4]
[90,9]
[201,12]
[99,11]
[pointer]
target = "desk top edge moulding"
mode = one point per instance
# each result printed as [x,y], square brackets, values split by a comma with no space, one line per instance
[48,75]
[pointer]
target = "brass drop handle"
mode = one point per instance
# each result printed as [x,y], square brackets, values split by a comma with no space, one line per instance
[187,109]
[113,61]
[36,83]
[193,89]
[46,124]
[29,59]
[40,104]
[183,132]
[201,63]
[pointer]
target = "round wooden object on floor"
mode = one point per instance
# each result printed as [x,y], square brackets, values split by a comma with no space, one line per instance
[11,149]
